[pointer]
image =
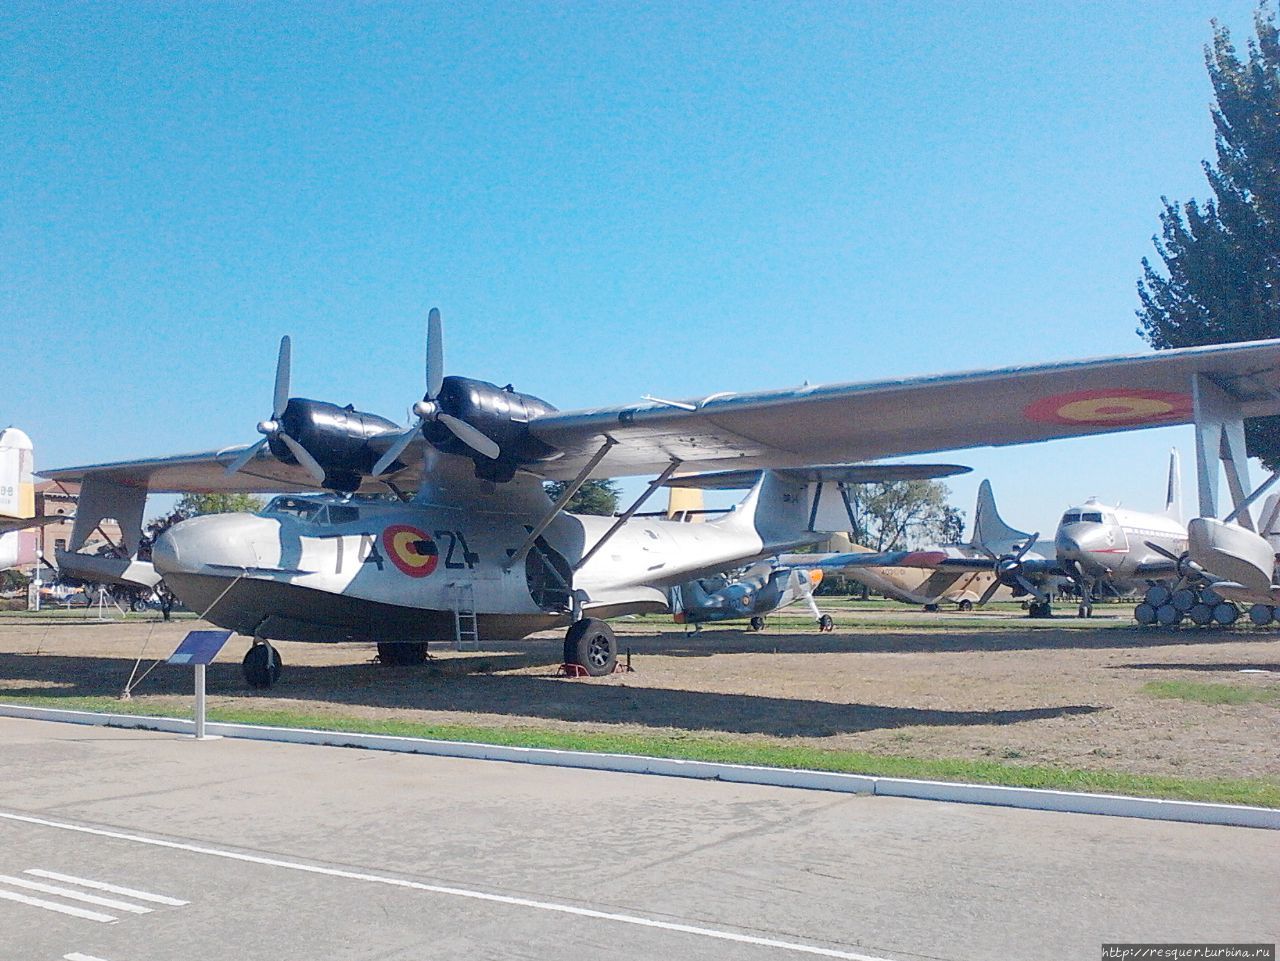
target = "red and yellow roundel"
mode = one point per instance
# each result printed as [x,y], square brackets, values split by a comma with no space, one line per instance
[411,550]
[1110,408]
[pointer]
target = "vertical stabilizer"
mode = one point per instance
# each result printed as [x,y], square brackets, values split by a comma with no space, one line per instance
[1173,493]
[683,502]
[990,533]
[17,483]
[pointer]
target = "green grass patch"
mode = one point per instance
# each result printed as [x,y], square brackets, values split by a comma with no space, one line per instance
[1205,693]
[761,752]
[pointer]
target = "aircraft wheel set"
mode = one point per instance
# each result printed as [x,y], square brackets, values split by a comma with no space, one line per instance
[1162,607]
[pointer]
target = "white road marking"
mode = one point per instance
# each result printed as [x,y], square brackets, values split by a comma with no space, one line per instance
[77,956]
[714,933]
[74,895]
[103,886]
[60,908]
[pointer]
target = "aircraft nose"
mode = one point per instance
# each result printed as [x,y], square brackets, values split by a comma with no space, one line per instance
[1068,546]
[214,540]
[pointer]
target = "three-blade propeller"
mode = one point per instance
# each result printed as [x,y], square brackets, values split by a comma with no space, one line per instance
[275,426]
[428,409]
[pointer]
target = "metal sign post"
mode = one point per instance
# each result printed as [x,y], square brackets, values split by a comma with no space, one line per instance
[198,649]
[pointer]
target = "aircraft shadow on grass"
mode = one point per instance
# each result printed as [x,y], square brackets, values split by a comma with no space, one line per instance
[415,688]
[1224,667]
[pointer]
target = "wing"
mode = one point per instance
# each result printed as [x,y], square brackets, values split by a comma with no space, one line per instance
[860,422]
[809,425]
[830,473]
[10,524]
[205,473]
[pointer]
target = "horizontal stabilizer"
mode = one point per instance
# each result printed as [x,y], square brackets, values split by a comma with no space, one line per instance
[828,473]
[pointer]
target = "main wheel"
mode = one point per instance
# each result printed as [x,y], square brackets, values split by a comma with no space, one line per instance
[966,605]
[1084,610]
[262,665]
[1261,614]
[931,608]
[826,624]
[401,655]
[1040,609]
[757,623]
[591,643]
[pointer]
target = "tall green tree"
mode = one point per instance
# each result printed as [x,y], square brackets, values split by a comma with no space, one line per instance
[593,497]
[1221,279]
[904,514]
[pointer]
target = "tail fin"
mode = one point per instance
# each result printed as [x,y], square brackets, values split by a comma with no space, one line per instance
[777,511]
[990,532]
[17,487]
[1173,493]
[682,501]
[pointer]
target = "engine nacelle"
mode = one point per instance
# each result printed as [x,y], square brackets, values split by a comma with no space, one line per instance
[337,437]
[501,414]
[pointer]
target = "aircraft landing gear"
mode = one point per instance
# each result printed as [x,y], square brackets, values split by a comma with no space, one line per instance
[1084,610]
[591,644]
[757,623]
[402,655]
[262,664]
[826,624]
[1040,609]
[965,606]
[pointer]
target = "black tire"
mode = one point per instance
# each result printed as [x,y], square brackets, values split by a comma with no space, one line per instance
[591,644]
[1168,616]
[966,606]
[402,655]
[1038,609]
[931,608]
[1084,610]
[137,605]
[1183,600]
[826,624]
[757,623]
[1157,595]
[262,666]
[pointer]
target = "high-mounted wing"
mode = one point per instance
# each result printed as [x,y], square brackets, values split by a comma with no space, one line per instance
[860,422]
[732,480]
[772,429]
[10,524]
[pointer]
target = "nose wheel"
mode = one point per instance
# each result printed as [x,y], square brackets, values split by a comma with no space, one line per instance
[262,665]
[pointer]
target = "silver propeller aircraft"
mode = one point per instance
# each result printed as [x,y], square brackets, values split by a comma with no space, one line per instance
[479,549]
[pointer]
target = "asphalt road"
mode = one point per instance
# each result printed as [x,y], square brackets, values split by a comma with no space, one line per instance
[293,852]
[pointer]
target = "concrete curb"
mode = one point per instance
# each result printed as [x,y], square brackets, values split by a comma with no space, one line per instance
[1029,798]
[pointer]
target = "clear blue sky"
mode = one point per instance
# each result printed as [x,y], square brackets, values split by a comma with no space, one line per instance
[604,200]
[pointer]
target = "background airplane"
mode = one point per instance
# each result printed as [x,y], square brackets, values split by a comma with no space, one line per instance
[18,501]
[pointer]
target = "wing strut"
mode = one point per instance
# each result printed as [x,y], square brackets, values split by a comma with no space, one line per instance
[629,513]
[558,506]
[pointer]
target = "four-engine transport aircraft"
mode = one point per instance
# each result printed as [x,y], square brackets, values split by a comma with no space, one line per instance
[480,538]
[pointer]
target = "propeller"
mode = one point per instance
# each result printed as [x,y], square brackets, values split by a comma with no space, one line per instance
[275,426]
[1008,570]
[1185,566]
[428,409]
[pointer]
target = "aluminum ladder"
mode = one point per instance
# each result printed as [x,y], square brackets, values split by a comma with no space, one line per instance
[466,629]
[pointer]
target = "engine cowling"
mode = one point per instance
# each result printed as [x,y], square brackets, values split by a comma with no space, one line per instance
[501,414]
[337,437]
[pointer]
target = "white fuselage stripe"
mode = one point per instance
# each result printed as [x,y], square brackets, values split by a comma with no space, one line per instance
[103,886]
[60,908]
[714,933]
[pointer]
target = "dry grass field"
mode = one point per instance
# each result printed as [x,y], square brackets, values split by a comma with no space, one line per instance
[1093,696]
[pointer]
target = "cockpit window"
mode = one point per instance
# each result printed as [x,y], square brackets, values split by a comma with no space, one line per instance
[1071,518]
[342,514]
[296,506]
[1092,518]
